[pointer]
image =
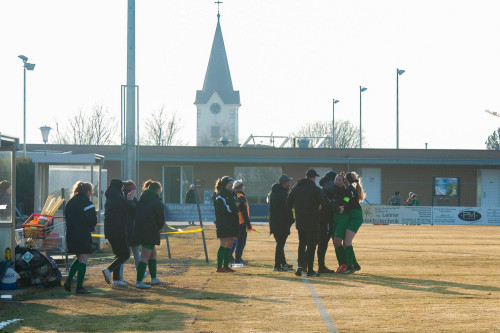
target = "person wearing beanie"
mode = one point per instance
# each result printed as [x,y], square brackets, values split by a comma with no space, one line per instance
[226,221]
[280,220]
[149,221]
[325,220]
[355,187]
[308,199]
[244,220]
[81,219]
[5,200]
[117,210]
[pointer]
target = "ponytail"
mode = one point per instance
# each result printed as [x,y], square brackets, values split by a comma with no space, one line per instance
[218,185]
[353,177]
[82,187]
[151,185]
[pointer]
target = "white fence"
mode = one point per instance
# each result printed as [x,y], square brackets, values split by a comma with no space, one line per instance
[431,215]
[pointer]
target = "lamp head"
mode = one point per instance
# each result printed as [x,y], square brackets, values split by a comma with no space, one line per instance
[401,71]
[335,101]
[29,66]
[23,58]
[362,89]
[45,133]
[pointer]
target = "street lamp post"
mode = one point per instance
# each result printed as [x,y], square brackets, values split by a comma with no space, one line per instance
[398,73]
[335,101]
[30,67]
[361,89]
[45,136]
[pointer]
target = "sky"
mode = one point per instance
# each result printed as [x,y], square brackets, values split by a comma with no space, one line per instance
[287,58]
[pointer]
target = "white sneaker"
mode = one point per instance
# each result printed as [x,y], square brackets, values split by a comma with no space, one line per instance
[156,281]
[107,275]
[120,283]
[142,285]
[124,281]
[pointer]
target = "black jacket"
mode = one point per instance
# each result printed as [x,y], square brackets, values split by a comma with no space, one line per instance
[190,197]
[226,214]
[117,211]
[81,220]
[353,198]
[326,213]
[306,197]
[149,219]
[131,224]
[342,196]
[280,215]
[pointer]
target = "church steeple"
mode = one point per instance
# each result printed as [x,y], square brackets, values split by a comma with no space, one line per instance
[218,76]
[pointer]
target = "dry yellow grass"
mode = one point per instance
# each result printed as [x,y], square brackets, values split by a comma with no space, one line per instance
[413,279]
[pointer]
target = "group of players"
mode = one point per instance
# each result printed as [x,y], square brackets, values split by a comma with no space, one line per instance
[319,213]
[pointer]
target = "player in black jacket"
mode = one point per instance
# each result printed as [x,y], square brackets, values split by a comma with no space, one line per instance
[308,199]
[280,220]
[81,220]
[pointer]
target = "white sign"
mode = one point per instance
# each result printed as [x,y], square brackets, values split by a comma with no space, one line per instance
[431,215]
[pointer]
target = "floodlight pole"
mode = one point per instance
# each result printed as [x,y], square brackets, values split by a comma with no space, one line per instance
[24,113]
[130,156]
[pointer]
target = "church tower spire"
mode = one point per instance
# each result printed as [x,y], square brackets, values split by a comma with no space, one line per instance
[217,103]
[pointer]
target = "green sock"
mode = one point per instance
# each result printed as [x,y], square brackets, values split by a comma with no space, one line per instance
[340,253]
[82,268]
[152,268]
[141,269]
[227,255]
[73,269]
[220,256]
[354,258]
[349,256]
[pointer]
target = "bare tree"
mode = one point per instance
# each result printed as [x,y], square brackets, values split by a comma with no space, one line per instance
[162,129]
[95,128]
[346,134]
[493,142]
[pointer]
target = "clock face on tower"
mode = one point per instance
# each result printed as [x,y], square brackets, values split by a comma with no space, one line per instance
[215,108]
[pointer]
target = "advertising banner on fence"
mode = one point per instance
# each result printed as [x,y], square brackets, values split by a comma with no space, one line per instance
[371,214]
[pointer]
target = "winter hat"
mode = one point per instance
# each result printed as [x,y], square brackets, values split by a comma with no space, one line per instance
[329,176]
[225,180]
[238,184]
[4,185]
[116,183]
[311,173]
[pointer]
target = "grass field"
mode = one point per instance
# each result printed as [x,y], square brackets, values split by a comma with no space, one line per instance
[413,279]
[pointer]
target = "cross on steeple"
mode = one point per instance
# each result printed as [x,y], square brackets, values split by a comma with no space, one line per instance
[218,4]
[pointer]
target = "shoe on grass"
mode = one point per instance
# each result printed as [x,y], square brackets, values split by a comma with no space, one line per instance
[279,269]
[82,291]
[221,270]
[357,267]
[107,275]
[325,269]
[287,266]
[119,283]
[341,269]
[124,281]
[156,281]
[142,285]
[229,270]
[298,272]
[313,274]
[349,270]
[67,286]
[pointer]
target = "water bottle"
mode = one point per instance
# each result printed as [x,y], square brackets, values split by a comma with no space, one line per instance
[236,265]
[7,254]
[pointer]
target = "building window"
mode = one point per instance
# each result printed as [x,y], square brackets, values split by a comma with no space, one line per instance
[258,181]
[216,132]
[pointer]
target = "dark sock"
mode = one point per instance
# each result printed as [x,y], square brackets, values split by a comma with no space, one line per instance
[220,256]
[231,251]
[82,268]
[73,270]
[141,269]
[152,268]
[227,255]
[354,259]
[340,253]
[349,256]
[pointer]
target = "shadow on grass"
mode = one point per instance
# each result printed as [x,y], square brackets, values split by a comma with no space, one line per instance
[45,318]
[423,285]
